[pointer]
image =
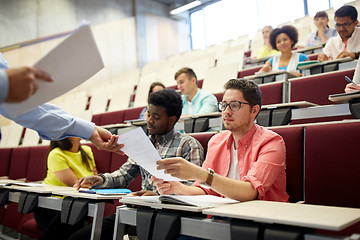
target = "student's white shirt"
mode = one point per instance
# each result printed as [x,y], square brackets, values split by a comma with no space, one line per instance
[190,111]
[335,45]
[234,168]
[356,78]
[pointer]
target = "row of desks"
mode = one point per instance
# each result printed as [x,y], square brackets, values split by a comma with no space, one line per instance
[263,212]
[301,215]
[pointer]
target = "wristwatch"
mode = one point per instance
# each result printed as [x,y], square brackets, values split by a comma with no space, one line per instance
[210,177]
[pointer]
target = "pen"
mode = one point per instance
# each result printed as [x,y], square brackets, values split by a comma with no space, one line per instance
[349,80]
[87,191]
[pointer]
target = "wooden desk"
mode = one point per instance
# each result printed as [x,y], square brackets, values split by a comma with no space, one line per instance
[300,104]
[275,76]
[303,215]
[95,209]
[310,50]
[344,97]
[321,217]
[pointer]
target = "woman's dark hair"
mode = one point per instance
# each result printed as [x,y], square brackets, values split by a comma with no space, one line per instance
[154,84]
[169,99]
[322,14]
[288,30]
[65,144]
[347,11]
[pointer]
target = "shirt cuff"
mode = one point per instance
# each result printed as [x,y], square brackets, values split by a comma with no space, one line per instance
[82,128]
[4,85]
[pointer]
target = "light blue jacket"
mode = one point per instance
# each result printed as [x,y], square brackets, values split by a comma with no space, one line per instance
[203,102]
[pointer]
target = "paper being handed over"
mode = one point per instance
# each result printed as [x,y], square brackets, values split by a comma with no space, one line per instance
[140,149]
[71,63]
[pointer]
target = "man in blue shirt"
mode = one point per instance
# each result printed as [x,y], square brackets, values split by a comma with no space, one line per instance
[51,122]
[195,101]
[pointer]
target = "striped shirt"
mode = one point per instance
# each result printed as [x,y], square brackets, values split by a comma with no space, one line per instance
[171,144]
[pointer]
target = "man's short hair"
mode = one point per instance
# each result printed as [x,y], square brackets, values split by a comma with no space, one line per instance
[169,99]
[347,11]
[288,30]
[250,90]
[188,71]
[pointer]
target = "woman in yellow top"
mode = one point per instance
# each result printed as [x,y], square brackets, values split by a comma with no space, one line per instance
[267,49]
[67,162]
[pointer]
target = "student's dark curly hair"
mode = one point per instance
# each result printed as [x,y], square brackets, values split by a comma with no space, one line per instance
[288,30]
[169,99]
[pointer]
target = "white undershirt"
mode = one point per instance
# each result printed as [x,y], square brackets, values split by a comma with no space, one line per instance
[234,170]
[189,111]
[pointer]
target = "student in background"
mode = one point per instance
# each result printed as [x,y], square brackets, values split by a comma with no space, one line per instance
[284,39]
[67,162]
[351,87]
[164,111]
[323,32]
[347,43]
[267,49]
[195,100]
[154,87]
[244,163]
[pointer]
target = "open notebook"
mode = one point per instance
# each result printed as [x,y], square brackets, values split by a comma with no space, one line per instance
[203,201]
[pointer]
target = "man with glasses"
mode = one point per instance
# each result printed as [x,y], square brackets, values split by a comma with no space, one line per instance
[246,162]
[347,43]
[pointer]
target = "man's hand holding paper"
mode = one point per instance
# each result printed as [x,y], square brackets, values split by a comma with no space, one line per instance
[139,148]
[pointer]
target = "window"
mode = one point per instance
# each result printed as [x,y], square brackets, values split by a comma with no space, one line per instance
[229,19]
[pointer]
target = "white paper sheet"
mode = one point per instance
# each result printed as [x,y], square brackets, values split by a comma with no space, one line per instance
[71,63]
[140,149]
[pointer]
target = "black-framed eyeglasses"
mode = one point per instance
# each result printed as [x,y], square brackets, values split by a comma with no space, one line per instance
[233,105]
[343,25]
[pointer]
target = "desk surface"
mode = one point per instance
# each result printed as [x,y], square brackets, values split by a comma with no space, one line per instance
[340,60]
[162,205]
[344,97]
[300,104]
[265,74]
[303,215]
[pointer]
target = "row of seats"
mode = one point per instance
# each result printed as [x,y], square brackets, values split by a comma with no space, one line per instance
[313,88]
[322,167]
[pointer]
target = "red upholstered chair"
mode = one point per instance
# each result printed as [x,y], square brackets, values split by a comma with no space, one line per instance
[30,228]
[271,93]
[248,71]
[317,88]
[117,161]
[332,164]
[172,87]
[132,113]
[203,139]
[5,155]
[102,159]
[293,138]
[96,119]
[19,162]
[200,83]
[36,170]
[112,117]
[12,218]
[219,96]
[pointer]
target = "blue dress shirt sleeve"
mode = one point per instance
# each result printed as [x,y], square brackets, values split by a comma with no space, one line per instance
[53,123]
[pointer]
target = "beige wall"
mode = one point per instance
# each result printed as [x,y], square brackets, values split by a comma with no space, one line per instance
[165,37]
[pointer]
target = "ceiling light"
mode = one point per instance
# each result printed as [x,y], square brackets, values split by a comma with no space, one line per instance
[185,7]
